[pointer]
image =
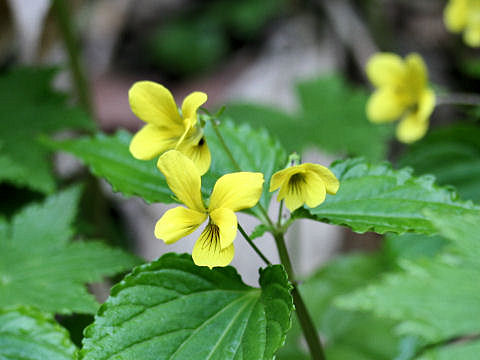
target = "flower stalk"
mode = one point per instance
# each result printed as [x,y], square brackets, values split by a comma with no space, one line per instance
[254,247]
[266,218]
[458,99]
[308,327]
[71,43]
[309,331]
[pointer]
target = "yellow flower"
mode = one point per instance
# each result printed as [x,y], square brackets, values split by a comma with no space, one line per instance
[402,91]
[305,183]
[464,15]
[166,129]
[232,192]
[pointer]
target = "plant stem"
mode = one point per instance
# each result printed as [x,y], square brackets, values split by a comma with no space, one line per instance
[309,330]
[71,44]
[280,210]
[251,243]
[224,144]
[237,166]
[458,99]
[306,322]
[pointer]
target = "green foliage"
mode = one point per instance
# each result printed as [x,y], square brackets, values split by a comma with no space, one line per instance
[109,157]
[470,67]
[452,154]
[172,309]
[411,246]
[187,47]
[27,334]
[200,39]
[351,335]
[332,117]
[435,298]
[336,113]
[254,150]
[463,351]
[29,108]
[40,267]
[244,19]
[374,197]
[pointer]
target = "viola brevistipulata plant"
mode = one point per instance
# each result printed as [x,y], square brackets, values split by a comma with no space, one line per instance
[233,181]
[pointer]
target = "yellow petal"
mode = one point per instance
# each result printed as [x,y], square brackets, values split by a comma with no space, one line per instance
[177,223]
[385,69]
[293,188]
[455,15]
[411,128]
[226,220]
[154,104]
[471,36]
[183,178]
[384,105]
[281,177]
[294,199]
[314,189]
[197,150]
[191,104]
[416,73]
[150,141]
[237,191]
[286,179]
[328,178]
[426,104]
[208,251]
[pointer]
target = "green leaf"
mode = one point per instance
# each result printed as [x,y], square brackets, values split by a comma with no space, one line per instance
[259,231]
[332,117]
[28,334]
[254,150]
[463,231]
[188,47]
[335,112]
[412,246]
[29,108]
[108,157]
[461,350]
[435,299]
[374,197]
[351,335]
[286,127]
[40,267]
[452,154]
[172,309]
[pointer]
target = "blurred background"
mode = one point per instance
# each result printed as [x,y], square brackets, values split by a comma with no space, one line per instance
[293,67]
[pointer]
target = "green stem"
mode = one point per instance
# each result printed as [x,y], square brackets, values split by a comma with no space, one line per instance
[71,44]
[251,243]
[224,144]
[237,166]
[306,322]
[309,330]
[458,99]
[280,211]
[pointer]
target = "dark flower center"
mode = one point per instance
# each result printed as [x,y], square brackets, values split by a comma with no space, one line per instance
[210,237]
[296,182]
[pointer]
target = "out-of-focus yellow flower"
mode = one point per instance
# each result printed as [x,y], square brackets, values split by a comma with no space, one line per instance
[232,192]
[305,183]
[402,92]
[166,128]
[464,15]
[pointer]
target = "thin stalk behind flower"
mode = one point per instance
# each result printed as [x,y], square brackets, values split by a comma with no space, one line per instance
[237,166]
[308,328]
